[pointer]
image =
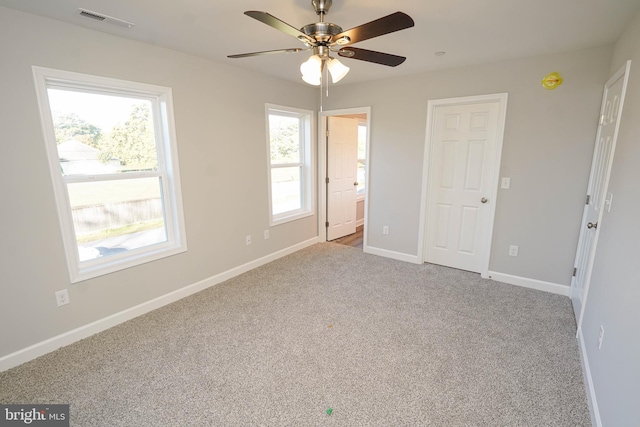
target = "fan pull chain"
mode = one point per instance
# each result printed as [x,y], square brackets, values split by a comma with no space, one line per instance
[326,75]
[321,83]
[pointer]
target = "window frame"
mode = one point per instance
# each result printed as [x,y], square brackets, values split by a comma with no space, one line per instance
[307,177]
[167,171]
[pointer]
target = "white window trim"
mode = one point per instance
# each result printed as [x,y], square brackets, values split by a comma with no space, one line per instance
[307,174]
[168,168]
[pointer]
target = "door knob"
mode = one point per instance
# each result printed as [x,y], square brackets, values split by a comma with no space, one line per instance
[592,225]
[355,183]
[484,200]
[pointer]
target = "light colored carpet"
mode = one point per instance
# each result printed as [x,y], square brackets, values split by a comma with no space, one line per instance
[380,342]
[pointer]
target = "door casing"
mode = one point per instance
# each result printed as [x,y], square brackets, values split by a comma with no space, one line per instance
[432,105]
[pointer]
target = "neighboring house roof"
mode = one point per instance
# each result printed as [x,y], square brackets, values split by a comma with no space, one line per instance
[75,150]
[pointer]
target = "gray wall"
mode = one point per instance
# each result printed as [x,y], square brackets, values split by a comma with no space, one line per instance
[614,292]
[220,127]
[547,151]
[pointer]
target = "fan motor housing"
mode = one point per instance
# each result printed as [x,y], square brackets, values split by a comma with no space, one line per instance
[321,31]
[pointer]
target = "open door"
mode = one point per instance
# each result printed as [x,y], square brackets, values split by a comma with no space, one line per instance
[342,168]
[597,199]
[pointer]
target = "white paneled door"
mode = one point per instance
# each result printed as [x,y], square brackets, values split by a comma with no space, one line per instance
[463,162]
[597,198]
[342,173]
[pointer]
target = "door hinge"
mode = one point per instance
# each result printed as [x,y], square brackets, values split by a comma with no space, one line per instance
[326,224]
[326,180]
[601,121]
[575,271]
[588,199]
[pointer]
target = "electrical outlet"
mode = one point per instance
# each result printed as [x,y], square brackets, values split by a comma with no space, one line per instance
[266,234]
[248,240]
[505,183]
[600,337]
[385,229]
[62,297]
[513,250]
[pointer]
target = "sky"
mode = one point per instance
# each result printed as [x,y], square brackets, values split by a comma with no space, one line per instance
[104,111]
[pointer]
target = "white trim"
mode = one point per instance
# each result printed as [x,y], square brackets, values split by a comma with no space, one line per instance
[501,98]
[360,222]
[392,254]
[525,282]
[29,353]
[322,170]
[588,382]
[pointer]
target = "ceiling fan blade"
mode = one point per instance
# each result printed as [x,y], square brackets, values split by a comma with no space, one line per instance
[266,52]
[280,25]
[385,25]
[372,56]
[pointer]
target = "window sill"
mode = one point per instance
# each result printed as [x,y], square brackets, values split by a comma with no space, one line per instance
[289,216]
[102,266]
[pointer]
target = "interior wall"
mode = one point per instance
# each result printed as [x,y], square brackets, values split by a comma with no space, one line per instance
[220,125]
[360,210]
[614,291]
[547,150]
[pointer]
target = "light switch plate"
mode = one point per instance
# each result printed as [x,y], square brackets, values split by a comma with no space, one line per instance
[608,202]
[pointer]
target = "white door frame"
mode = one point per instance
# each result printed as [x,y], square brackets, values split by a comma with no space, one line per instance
[322,168]
[623,71]
[501,98]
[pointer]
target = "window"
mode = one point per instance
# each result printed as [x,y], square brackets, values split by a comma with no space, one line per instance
[290,174]
[113,158]
[362,159]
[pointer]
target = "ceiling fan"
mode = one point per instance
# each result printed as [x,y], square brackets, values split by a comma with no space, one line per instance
[325,37]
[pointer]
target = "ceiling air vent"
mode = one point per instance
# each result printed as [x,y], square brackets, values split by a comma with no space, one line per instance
[105,18]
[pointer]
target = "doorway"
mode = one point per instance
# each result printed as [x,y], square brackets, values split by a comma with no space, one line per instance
[461,168]
[343,175]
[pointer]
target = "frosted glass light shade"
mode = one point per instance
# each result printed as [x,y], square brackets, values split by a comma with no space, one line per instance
[311,70]
[337,69]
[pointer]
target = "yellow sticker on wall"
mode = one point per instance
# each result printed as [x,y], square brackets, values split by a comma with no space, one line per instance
[552,81]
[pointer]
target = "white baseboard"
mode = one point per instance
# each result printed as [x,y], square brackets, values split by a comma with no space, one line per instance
[591,392]
[29,353]
[392,254]
[360,222]
[539,285]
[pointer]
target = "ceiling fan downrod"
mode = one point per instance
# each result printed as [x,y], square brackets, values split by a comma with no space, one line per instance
[321,7]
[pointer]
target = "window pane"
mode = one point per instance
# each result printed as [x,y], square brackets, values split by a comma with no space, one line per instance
[362,155]
[100,134]
[361,177]
[362,141]
[111,217]
[286,190]
[284,138]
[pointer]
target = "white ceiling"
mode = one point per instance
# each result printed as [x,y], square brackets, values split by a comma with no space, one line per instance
[470,31]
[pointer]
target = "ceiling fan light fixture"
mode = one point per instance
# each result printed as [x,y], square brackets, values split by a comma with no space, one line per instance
[337,69]
[312,80]
[311,70]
